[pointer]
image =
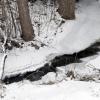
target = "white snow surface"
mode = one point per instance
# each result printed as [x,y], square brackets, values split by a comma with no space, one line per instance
[26,59]
[83,31]
[95,63]
[65,90]
[71,37]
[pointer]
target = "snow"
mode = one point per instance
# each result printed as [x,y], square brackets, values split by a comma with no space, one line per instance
[65,90]
[83,31]
[22,60]
[71,37]
[95,63]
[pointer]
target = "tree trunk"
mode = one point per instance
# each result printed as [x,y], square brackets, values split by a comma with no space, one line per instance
[67,9]
[25,21]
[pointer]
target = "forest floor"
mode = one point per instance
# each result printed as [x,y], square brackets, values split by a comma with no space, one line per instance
[55,36]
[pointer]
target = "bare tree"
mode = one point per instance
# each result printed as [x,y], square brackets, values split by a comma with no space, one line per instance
[25,21]
[67,9]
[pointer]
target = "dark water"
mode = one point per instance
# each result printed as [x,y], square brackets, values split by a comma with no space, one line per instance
[58,61]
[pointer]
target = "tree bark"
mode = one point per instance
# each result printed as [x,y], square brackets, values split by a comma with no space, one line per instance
[25,21]
[67,9]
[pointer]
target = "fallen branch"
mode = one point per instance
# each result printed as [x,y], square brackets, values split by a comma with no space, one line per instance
[3,58]
[2,66]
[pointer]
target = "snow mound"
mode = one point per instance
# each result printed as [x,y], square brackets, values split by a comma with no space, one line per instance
[82,32]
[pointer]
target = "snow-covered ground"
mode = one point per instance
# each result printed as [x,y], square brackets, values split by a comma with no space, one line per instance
[70,37]
[22,60]
[65,90]
[83,31]
[94,63]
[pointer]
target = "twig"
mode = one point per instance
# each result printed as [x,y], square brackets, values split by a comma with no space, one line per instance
[4,58]
[3,66]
